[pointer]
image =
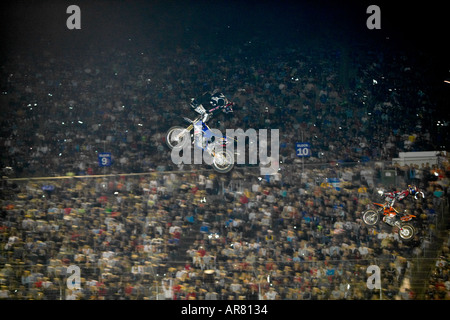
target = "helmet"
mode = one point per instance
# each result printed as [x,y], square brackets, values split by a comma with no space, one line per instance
[218,100]
[194,104]
[413,190]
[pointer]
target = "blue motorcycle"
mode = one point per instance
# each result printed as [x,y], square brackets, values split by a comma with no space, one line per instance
[213,144]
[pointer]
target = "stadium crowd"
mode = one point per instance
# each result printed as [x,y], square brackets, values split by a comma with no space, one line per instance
[439,283]
[60,112]
[184,235]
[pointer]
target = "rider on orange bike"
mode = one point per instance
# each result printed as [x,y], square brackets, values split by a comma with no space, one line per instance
[392,197]
[400,195]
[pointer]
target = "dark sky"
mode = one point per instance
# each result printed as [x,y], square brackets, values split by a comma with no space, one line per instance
[28,21]
[38,24]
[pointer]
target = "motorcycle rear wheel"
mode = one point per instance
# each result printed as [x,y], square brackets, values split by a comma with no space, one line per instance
[371,217]
[177,137]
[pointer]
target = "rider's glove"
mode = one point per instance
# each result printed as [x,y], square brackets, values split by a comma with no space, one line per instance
[194,104]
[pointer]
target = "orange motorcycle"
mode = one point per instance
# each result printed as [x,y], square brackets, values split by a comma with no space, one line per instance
[389,214]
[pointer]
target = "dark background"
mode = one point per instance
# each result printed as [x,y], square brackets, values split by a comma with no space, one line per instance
[164,25]
[27,22]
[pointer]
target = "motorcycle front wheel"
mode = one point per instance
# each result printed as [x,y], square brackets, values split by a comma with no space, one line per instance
[370,217]
[223,161]
[177,137]
[406,232]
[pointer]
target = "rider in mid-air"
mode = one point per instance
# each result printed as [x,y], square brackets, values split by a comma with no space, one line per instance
[400,195]
[207,105]
[392,197]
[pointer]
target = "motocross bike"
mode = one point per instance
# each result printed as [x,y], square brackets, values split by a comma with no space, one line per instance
[222,159]
[372,215]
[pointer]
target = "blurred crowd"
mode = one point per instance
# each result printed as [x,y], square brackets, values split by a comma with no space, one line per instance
[439,283]
[194,235]
[61,111]
[190,235]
